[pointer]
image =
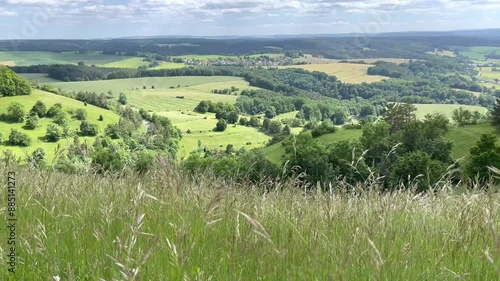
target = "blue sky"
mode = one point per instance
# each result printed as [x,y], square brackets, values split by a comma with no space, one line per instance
[35,19]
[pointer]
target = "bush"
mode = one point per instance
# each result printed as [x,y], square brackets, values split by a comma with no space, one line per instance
[123,98]
[352,127]
[32,122]
[323,129]
[16,112]
[221,125]
[18,138]
[61,118]
[37,157]
[39,109]
[53,134]
[100,118]
[81,114]
[87,129]
[54,110]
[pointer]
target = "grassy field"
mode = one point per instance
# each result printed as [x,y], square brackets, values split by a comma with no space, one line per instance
[163,100]
[466,137]
[312,60]
[39,78]
[31,58]
[169,65]
[127,63]
[216,57]
[125,85]
[488,85]
[446,109]
[488,73]
[346,72]
[477,53]
[8,63]
[37,135]
[165,226]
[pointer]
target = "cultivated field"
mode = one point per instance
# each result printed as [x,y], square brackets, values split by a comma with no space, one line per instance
[166,226]
[32,58]
[8,63]
[37,135]
[169,65]
[164,96]
[314,60]
[127,63]
[160,83]
[345,72]
[216,57]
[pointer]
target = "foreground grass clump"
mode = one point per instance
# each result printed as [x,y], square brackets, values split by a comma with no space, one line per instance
[164,226]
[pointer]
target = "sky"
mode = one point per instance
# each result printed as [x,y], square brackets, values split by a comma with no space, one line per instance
[89,19]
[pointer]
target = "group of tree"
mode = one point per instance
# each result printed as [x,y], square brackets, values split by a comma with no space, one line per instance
[99,100]
[11,84]
[230,91]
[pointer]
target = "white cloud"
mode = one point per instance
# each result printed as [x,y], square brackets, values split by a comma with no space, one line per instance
[7,13]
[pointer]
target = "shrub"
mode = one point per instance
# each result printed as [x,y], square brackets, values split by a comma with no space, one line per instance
[87,129]
[61,118]
[323,129]
[37,157]
[39,109]
[16,112]
[32,122]
[18,138]
[352,127]
[221,125]
[232,117]
[81,114]
[101,118]
[123,98]
[53,134]
[54,110]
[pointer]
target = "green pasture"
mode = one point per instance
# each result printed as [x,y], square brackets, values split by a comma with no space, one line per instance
[39,78]
[446,109]
[127,63]
[33,58]
[37,135]
[477,53]
[169,65]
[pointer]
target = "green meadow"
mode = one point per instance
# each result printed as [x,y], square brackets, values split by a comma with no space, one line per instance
[127,63]
[169,65]
[488,73]
[37,135]
[446,109]
[32,58]
[39,78]
[477,53]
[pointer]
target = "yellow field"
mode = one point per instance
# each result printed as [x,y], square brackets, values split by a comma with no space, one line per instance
[345,72]
[8,63]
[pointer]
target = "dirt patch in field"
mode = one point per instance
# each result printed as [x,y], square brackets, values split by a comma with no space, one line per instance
[7,63]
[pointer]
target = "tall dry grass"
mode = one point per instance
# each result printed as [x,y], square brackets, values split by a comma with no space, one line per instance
[165,226]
